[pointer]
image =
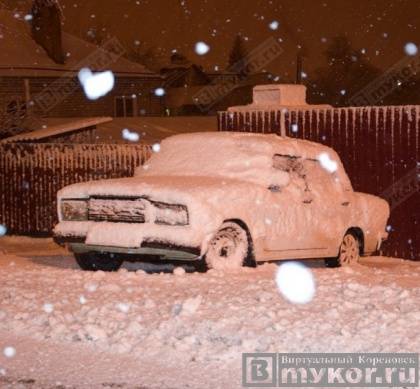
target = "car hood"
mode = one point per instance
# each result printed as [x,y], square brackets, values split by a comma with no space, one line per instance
[163,188]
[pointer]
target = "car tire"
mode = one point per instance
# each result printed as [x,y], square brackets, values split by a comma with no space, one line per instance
[97,261]
[349,252]
[230,248]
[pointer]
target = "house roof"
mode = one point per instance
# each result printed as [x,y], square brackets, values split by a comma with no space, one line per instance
[151,129]
[58,129]
[22,56]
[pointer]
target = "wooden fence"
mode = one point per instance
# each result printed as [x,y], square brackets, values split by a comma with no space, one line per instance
[379,147]
[31,174]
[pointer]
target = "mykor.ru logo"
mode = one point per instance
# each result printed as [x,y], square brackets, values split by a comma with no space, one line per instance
[332,370]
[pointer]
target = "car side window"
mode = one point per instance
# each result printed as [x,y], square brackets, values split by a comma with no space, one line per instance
[320,178]
[294,166]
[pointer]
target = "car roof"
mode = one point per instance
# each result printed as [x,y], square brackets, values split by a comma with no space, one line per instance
[271,142]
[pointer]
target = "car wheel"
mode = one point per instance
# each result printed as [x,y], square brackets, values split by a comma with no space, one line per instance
[97,261]
[349,252]
[230,248]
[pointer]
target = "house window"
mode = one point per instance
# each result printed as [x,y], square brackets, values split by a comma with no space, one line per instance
[125,106]
[16,109]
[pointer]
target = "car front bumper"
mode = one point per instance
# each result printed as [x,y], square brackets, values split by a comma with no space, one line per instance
[165,242]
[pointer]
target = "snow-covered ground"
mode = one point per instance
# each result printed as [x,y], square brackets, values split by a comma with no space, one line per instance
[62,327]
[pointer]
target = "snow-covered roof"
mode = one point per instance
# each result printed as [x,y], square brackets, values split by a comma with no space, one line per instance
[271,97]
[22,56]
[58,129]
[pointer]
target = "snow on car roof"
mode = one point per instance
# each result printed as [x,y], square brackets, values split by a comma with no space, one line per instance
[235,155]
[257,141]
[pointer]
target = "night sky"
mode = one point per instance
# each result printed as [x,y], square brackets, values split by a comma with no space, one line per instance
[383,26]
[380,27]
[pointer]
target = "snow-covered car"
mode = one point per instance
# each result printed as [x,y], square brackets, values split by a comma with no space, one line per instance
[229,199]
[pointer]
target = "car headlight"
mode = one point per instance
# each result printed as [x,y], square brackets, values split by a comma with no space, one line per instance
[74,210]
[171,214]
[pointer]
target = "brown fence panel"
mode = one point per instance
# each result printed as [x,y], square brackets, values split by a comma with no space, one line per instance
[379,147]
[31,175]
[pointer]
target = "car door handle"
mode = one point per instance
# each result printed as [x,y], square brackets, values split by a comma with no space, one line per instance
[345,203]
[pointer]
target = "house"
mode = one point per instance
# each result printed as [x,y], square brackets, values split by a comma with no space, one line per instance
[32,82]
[79,131]
[182,79]
[181,72]
[192,91]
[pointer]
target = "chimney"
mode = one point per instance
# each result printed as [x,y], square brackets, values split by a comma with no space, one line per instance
[46,28]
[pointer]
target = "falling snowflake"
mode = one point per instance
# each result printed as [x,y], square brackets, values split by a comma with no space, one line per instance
[411,49]
[343,92]
[327,163]
[159,92]
[274,25]
[123,307]
[131,136]
[48,308]
[96,85]
[295,282]
[28,17]
[294,128]
[82,300]
[201,48]
[9,352]
[3,230]
[156,147]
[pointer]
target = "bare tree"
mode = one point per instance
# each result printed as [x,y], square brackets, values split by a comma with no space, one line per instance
[238,55]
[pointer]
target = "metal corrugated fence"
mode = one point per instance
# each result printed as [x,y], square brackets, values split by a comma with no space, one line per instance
[31,174]
[379,147]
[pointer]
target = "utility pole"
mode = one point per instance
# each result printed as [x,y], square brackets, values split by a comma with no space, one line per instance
[299,67]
